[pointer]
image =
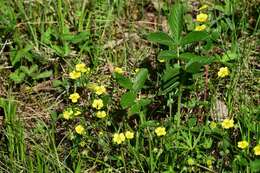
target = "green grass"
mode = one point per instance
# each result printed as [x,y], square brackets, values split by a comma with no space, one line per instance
[42,41]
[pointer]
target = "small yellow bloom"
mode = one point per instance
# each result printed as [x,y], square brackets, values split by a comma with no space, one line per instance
[137,70]
[202,17]
[227,123]
[213,125]
[203,7]
[160,131]
[242,144]
[129,135]
[82,68]
[223,72]
[101,114]
[119,138]
[100,90]
[74,74]
[118,70]
[80,129]
[74,97]
[67,114]
[257,150]
[77,113]
[98,104]
[200,28]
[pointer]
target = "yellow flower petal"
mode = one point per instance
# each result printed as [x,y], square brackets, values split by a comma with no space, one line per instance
[80,129]
[74,75]
[101,114]
[118,70]
[118,138]
[160,131]
[129,135]
[98,104]
[200,28]
[202,17]
[242,144]
[223,72]
[74,97]
[227,123]
[257,150]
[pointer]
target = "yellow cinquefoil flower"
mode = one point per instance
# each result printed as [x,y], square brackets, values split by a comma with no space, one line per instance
[137,70]
[98,104]
[202,17]
[80,129]
[203,7]
[223,72]
[257,150]
[100,90]
[74,97]
[160,131]
[213,125]
[77,113]
[74,74]
[227,123]
[242,144]
[101,114]
[67,114]
[161,60]
[200,28]
[82,68]
[129,135]
[118,70]
[119,138]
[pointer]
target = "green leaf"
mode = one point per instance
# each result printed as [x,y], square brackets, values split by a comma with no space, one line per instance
[176,21]
[196,58]
[255,165]
[128,99]
[19,54]
[194,36]
[193,67]
[167,55]
[161,38]
[170,72]
[17,76]
[151,123]
[135,108]
[46,36]
[140,79]
[44,74]
[123,81]
[30,71]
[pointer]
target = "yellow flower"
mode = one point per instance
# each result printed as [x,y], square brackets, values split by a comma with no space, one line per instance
[74,97]
[203,7]
[98,104]
[101,114]
[137,70]
[82,68]
[242,144]
[118,70]
[129,135]
[257,150]
[119,138]
[202,17]
[77,113]
[200,28]
[80,129]
[67,114]
[74,74]
[223,72]
[99,90]
[227,123]
[213,125]
[160,131]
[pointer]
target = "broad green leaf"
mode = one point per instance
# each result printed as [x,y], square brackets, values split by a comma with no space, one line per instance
[17,76]
[194,36]
[169,89]
[161,38]
[255,165]
[151,123]
[29,71]
[176,21]
[128,99]
[44,74]
[167,55]
[170,72]
[19,54]
[140,79]
[123,81]
[134,109]
[193,67]
[196,58]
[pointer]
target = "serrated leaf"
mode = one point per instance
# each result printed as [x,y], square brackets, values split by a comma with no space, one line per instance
[134,109]
[128,99]
[193,67]
[17,76]
[46,36]
[140,79]
[194,36]
[29,71]
[167,55]
[176,21]
[123,81]
[161,38]
[19,54]
[44,74]
[170,72]
[196,58]
[150,123]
